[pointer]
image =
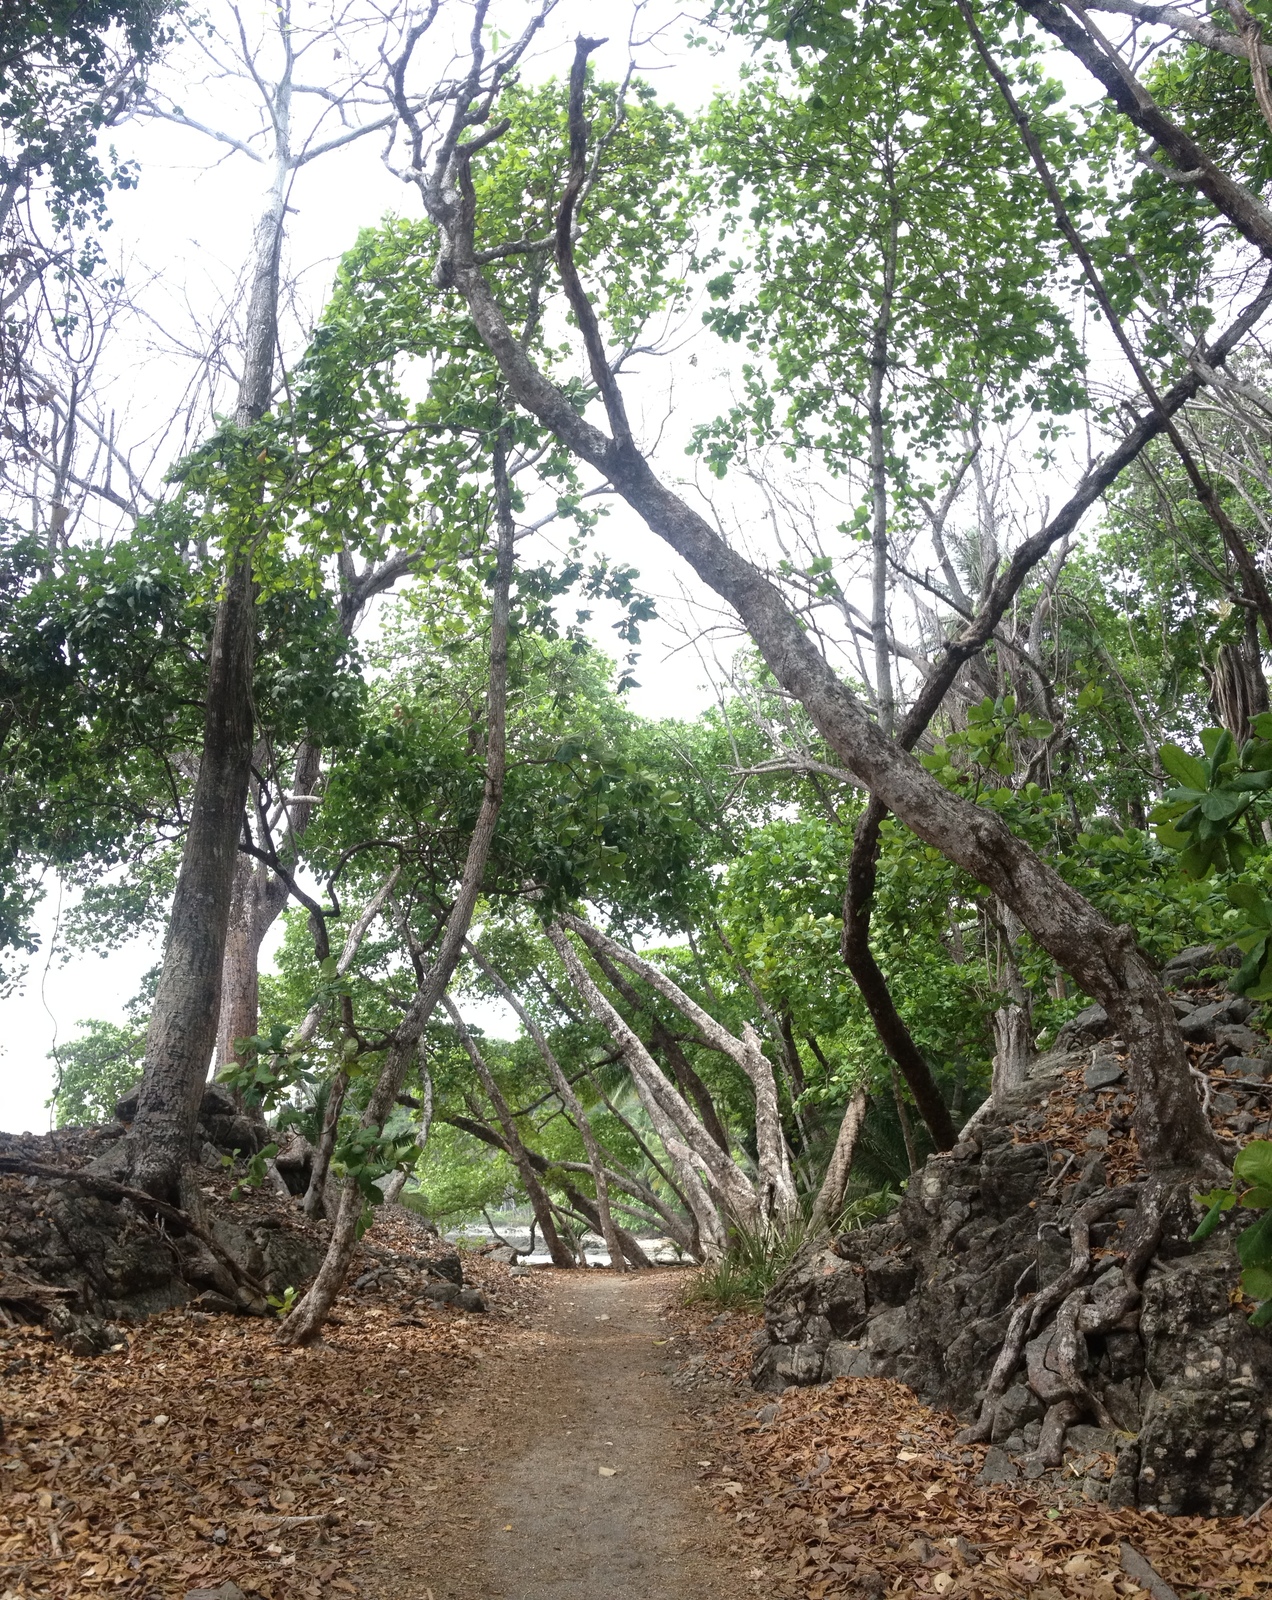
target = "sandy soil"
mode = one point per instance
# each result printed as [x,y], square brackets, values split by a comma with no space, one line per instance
[566,1470]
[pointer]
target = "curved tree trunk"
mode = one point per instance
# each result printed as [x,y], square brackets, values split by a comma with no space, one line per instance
[517,1152]
[1103,959]
[306,1320]
[830,1197]
[570,1101]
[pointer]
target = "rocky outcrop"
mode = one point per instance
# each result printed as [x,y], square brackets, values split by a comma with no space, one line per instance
[224,1128]
[925,1297]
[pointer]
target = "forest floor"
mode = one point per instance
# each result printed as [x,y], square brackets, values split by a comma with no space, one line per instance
[587,1437]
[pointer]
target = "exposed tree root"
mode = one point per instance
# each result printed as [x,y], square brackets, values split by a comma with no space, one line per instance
[109,1189]
[1075,1315]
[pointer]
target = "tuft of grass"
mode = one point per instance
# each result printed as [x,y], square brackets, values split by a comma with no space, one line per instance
[757,1257]
[754,1261]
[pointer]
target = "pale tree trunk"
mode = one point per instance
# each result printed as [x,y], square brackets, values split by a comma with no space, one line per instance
[517,1152]
[662,1040]
[735,1189]
[1013,1023]
[306,1320]
[257,901]
[1105,961]
[570,1101]
[830,1197]
[778,1198]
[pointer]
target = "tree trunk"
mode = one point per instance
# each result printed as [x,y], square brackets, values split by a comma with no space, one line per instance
[239,1016]
[830,1197]
[306,1320]
[1011,1050]
[182,1031]
[668,1046]
[778,1197]
[571,1104]
[735,1188]
[183,1023]
[1104,960]
[258,900]
[1238,687]
[517,1152]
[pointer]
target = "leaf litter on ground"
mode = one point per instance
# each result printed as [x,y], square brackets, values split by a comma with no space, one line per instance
[205,1453]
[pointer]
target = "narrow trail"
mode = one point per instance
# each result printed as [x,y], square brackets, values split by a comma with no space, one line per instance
[516,1498]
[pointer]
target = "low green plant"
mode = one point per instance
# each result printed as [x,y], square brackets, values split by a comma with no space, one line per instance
[281,1304]
[1251,1189]
[754,1261]
[868,1208]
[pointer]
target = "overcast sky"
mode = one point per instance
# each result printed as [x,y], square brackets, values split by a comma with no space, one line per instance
[181,238]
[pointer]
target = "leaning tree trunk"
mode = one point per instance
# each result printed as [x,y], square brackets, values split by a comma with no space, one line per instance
[306,1320]
[830,1197]
[1104,959]
[517,1152]
[570,1103]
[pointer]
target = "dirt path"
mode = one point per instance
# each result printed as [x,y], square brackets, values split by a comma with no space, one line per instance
[566,1470]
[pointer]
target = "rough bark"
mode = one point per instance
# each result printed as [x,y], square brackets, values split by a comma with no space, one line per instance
[182,1031]
[1237,683]
[183,1023]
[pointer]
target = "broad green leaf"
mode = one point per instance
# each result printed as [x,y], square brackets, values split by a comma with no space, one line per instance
[1185,769]
[1254,1163]
[1254,1247]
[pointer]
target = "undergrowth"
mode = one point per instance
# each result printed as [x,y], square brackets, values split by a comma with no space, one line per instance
[757,1257]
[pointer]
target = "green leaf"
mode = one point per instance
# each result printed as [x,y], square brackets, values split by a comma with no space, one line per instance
[1183,768]
[1219,1201]
[1262,1316]
[1254,1247]
[1257,1282]
[1254,1164]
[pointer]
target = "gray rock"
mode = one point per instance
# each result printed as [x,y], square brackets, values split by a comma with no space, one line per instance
[889,1280]
[504,1254]
[227,1591]
[1235,1040]
[519,1271]
[1017,1406]
[1200,1024]
[845,1359]
[998,1468]
[1197,958]
[1103,1073]
[218,1304]
[470,1299]
[780,1365]
[888,1333]
[1085,1028]
[440,1294]
[1257,1067]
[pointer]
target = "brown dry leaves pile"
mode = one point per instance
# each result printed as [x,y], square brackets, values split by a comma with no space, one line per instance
[206,1452]
[855,1488]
